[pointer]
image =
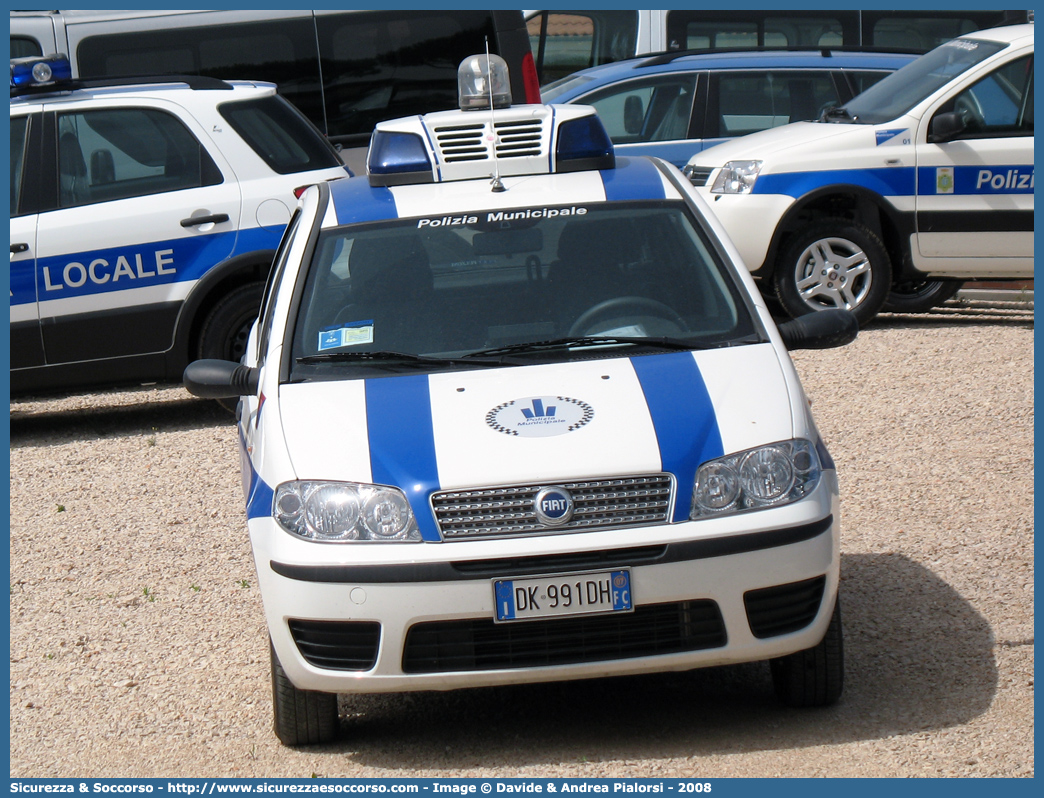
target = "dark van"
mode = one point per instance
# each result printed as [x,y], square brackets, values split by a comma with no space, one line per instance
[346,70]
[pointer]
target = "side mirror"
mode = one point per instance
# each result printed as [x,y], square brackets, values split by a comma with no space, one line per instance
[946,127]
[823,329]
[220,379]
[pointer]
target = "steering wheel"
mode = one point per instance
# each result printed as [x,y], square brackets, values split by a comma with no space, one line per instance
[967,105]
[634,305]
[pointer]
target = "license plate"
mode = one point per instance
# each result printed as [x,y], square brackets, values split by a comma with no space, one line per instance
[566,594]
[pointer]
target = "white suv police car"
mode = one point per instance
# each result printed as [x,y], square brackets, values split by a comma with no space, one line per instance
[144,216]
[514,411]
[918,183]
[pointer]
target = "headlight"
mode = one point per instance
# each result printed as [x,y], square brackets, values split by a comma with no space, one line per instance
[768,476]
[736,177]
[344,512]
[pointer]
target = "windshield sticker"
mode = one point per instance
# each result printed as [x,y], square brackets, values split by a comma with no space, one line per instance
[630,331]
[539,416]
[351,334]
[901,136]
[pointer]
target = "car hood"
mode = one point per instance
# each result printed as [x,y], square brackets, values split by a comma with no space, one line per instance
[809,136]
[540,424]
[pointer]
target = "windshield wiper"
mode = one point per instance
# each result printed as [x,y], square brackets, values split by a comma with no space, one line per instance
[835,113]
[383,356]
[593,341]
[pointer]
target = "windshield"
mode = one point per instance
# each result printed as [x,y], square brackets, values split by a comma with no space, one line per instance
[559,87]
[896,94]
[505,287]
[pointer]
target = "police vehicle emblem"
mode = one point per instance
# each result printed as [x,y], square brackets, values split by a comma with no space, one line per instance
[553,506]
[944,180]
[540,416]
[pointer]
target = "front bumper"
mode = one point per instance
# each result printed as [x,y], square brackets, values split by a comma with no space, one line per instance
[399,617]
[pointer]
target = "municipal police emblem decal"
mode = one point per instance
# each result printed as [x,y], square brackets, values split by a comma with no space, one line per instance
[540,416]
[944,180]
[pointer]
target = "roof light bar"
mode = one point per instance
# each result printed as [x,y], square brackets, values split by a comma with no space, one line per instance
[40,71]
[583,144]
[396,158]
[504,142]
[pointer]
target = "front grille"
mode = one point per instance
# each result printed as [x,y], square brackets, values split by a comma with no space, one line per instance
[782,609]
[698,174]
[482,645]
[514,139]
[337,645]
[508,511]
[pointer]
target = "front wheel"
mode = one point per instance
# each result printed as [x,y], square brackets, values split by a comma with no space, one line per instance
[917,296]
[814,677]
[302,717]
[224,333]
[834,263]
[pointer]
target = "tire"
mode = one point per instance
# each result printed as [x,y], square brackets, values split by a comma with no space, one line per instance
[301,717]
[917,296]
[814,677]
[227,326]
[834,263]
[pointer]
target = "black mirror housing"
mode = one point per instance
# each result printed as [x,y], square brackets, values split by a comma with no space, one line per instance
[220,379]
[946,127]
[822,329]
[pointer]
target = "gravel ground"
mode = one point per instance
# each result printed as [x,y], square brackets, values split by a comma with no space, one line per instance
[138,646]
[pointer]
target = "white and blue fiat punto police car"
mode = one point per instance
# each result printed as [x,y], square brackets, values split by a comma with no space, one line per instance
[514,411]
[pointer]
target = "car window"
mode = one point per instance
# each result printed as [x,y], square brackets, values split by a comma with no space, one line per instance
[704,33]
[1001,104]
[24,47]
[282,51]
[654,109]
[389,64]
[896,94]
[755,100]
[918,34]
[551,91]
[280,135]
[119,153]
[566,41]
[450,287]
[19,127]
[861,80]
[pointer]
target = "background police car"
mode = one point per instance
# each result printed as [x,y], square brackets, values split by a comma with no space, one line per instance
[911,190]
[143,220]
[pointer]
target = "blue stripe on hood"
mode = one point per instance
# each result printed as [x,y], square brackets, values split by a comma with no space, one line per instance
[402,442]
[632,179]
[683,417]
[355,200]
